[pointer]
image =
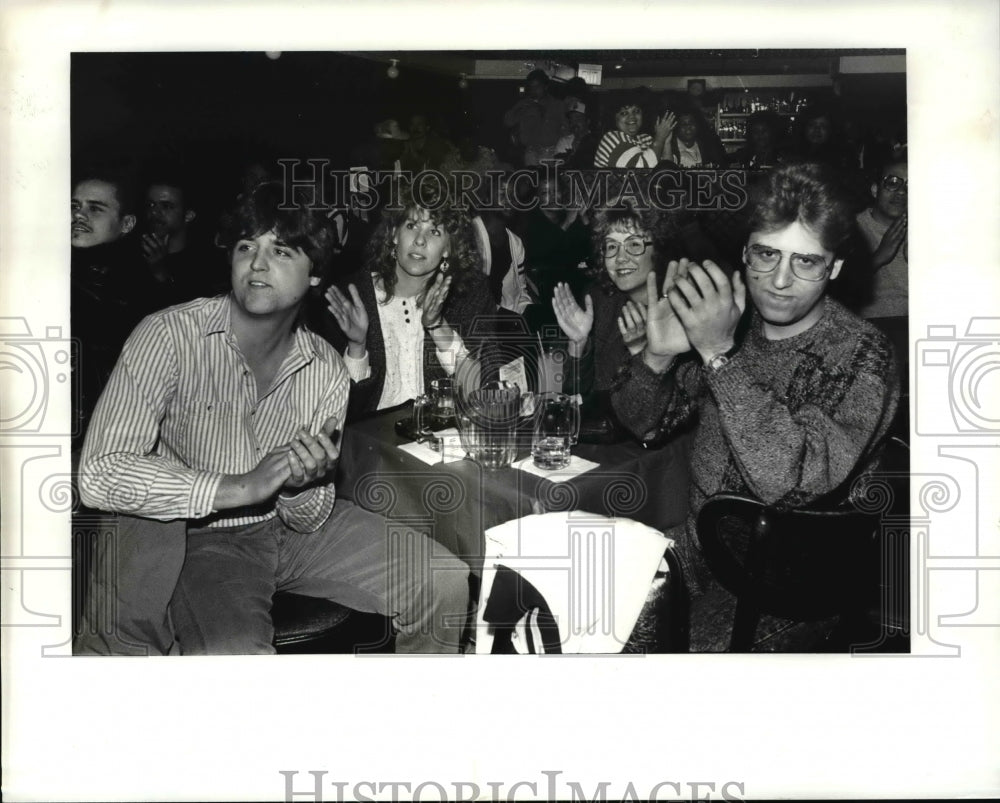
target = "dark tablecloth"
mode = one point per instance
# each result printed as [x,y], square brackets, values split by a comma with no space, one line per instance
[458,501]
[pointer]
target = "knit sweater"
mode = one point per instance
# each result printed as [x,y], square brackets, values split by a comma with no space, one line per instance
[785,421]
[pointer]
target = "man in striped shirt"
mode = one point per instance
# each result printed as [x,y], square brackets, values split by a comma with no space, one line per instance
[215,439]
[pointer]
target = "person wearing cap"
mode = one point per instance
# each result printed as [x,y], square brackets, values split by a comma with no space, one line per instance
[576,148]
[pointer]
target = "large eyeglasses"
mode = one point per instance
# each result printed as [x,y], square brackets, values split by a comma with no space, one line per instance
[808,267]
[634,247]
[894,183]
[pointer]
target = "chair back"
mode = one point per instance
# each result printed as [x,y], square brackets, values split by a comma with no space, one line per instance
[796,564]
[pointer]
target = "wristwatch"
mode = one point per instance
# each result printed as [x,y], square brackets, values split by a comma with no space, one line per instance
[715,362]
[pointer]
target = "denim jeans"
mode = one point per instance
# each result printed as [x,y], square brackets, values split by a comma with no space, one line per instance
[220,600]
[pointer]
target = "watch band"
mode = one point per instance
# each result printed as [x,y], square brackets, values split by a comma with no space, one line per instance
[715,362]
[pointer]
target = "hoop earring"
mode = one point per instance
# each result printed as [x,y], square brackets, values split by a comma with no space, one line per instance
[444,265]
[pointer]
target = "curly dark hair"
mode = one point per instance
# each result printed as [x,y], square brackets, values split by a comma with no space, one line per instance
[288,214]
[463,255]
[809,193]
[661,226]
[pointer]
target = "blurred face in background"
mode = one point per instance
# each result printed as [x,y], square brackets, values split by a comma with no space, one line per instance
[818,130]
[166,214]
[687,129]
[890,192]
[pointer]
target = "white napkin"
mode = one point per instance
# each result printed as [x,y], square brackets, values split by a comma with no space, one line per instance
[576,467]
[451,448]
[594,572]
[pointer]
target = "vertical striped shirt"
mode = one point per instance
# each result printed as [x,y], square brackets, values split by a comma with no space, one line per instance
[181,410]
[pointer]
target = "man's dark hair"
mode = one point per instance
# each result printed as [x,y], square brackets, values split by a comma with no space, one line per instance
[808,193]
[895,160]
[170,175]
[118,178]
[270,208]
[537,75]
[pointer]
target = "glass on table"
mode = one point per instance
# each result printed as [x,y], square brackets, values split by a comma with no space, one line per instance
[487,423]
[556,429]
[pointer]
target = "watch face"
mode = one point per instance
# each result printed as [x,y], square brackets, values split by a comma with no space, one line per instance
[717,362]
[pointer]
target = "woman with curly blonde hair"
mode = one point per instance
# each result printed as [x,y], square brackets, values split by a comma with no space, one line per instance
[402,319]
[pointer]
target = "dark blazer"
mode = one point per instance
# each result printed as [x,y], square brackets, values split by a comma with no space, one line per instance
[461,311]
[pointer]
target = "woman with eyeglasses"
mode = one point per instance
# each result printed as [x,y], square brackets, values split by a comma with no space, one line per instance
[628,244]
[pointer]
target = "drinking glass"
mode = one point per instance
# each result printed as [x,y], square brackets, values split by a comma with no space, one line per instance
[556,429]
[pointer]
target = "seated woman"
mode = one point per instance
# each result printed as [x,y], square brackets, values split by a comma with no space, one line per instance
[400,322]
[695,143]
[628,244]
[764,133]
[627,145]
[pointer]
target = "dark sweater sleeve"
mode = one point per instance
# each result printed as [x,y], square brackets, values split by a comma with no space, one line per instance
[794,456]
[653,406]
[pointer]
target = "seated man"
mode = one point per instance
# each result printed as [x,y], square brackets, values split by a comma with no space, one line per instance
[105,280]
[792,411]
[216,437]
[883,226]
[181,267]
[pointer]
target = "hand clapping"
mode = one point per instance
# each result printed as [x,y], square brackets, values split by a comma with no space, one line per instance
[708,306]
[350,314]
[575,322]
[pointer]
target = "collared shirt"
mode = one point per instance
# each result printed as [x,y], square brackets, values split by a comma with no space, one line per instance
[181,410]
[688,156]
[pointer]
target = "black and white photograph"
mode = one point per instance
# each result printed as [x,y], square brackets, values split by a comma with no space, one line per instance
[444,374]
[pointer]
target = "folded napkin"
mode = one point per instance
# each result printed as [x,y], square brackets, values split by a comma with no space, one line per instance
[594,573]
[451,448]
[576,467]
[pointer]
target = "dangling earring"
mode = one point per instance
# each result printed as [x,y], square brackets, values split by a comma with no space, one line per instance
[444,265]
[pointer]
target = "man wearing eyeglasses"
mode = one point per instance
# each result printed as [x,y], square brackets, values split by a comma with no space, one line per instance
[883,226]
[793,410]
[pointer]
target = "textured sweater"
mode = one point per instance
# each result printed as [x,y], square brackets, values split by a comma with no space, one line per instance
[785,421]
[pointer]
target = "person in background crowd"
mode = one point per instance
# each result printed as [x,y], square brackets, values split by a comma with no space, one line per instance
[577,147]
[626,145]
[426,149]
[763,138]
[401,321]
[883,226]
[502,254]
[556,242]
[180,267]
[793,411]
[105,281]
[694,143]
[818,140]
[537,119]
[214,441]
